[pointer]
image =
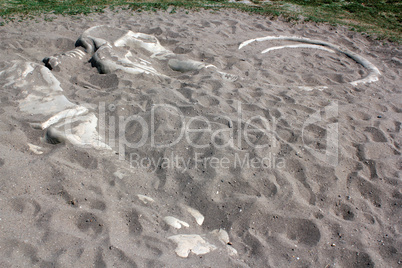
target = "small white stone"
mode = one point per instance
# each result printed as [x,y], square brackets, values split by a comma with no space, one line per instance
[175,223]
[187,243]
[145,199]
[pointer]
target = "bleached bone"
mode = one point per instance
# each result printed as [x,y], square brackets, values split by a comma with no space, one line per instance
[373,75]
[107,48]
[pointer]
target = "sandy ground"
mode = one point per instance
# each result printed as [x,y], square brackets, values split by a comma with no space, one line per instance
[316,185]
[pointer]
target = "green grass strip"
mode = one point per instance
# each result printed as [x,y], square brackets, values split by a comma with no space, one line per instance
[380,18]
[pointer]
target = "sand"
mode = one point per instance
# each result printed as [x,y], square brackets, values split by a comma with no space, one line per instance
[183,140]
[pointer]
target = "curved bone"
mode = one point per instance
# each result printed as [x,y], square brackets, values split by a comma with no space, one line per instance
[373,75]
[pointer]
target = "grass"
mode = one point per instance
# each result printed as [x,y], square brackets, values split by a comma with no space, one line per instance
[382,18]
[379,18]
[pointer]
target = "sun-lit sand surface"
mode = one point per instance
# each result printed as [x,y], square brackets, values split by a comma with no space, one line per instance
[198,139]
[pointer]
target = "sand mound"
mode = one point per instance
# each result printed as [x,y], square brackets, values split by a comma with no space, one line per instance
[200,139]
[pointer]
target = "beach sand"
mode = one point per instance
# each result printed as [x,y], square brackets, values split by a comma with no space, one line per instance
[293,164]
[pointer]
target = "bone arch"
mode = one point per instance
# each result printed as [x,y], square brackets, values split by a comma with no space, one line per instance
[373,75]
